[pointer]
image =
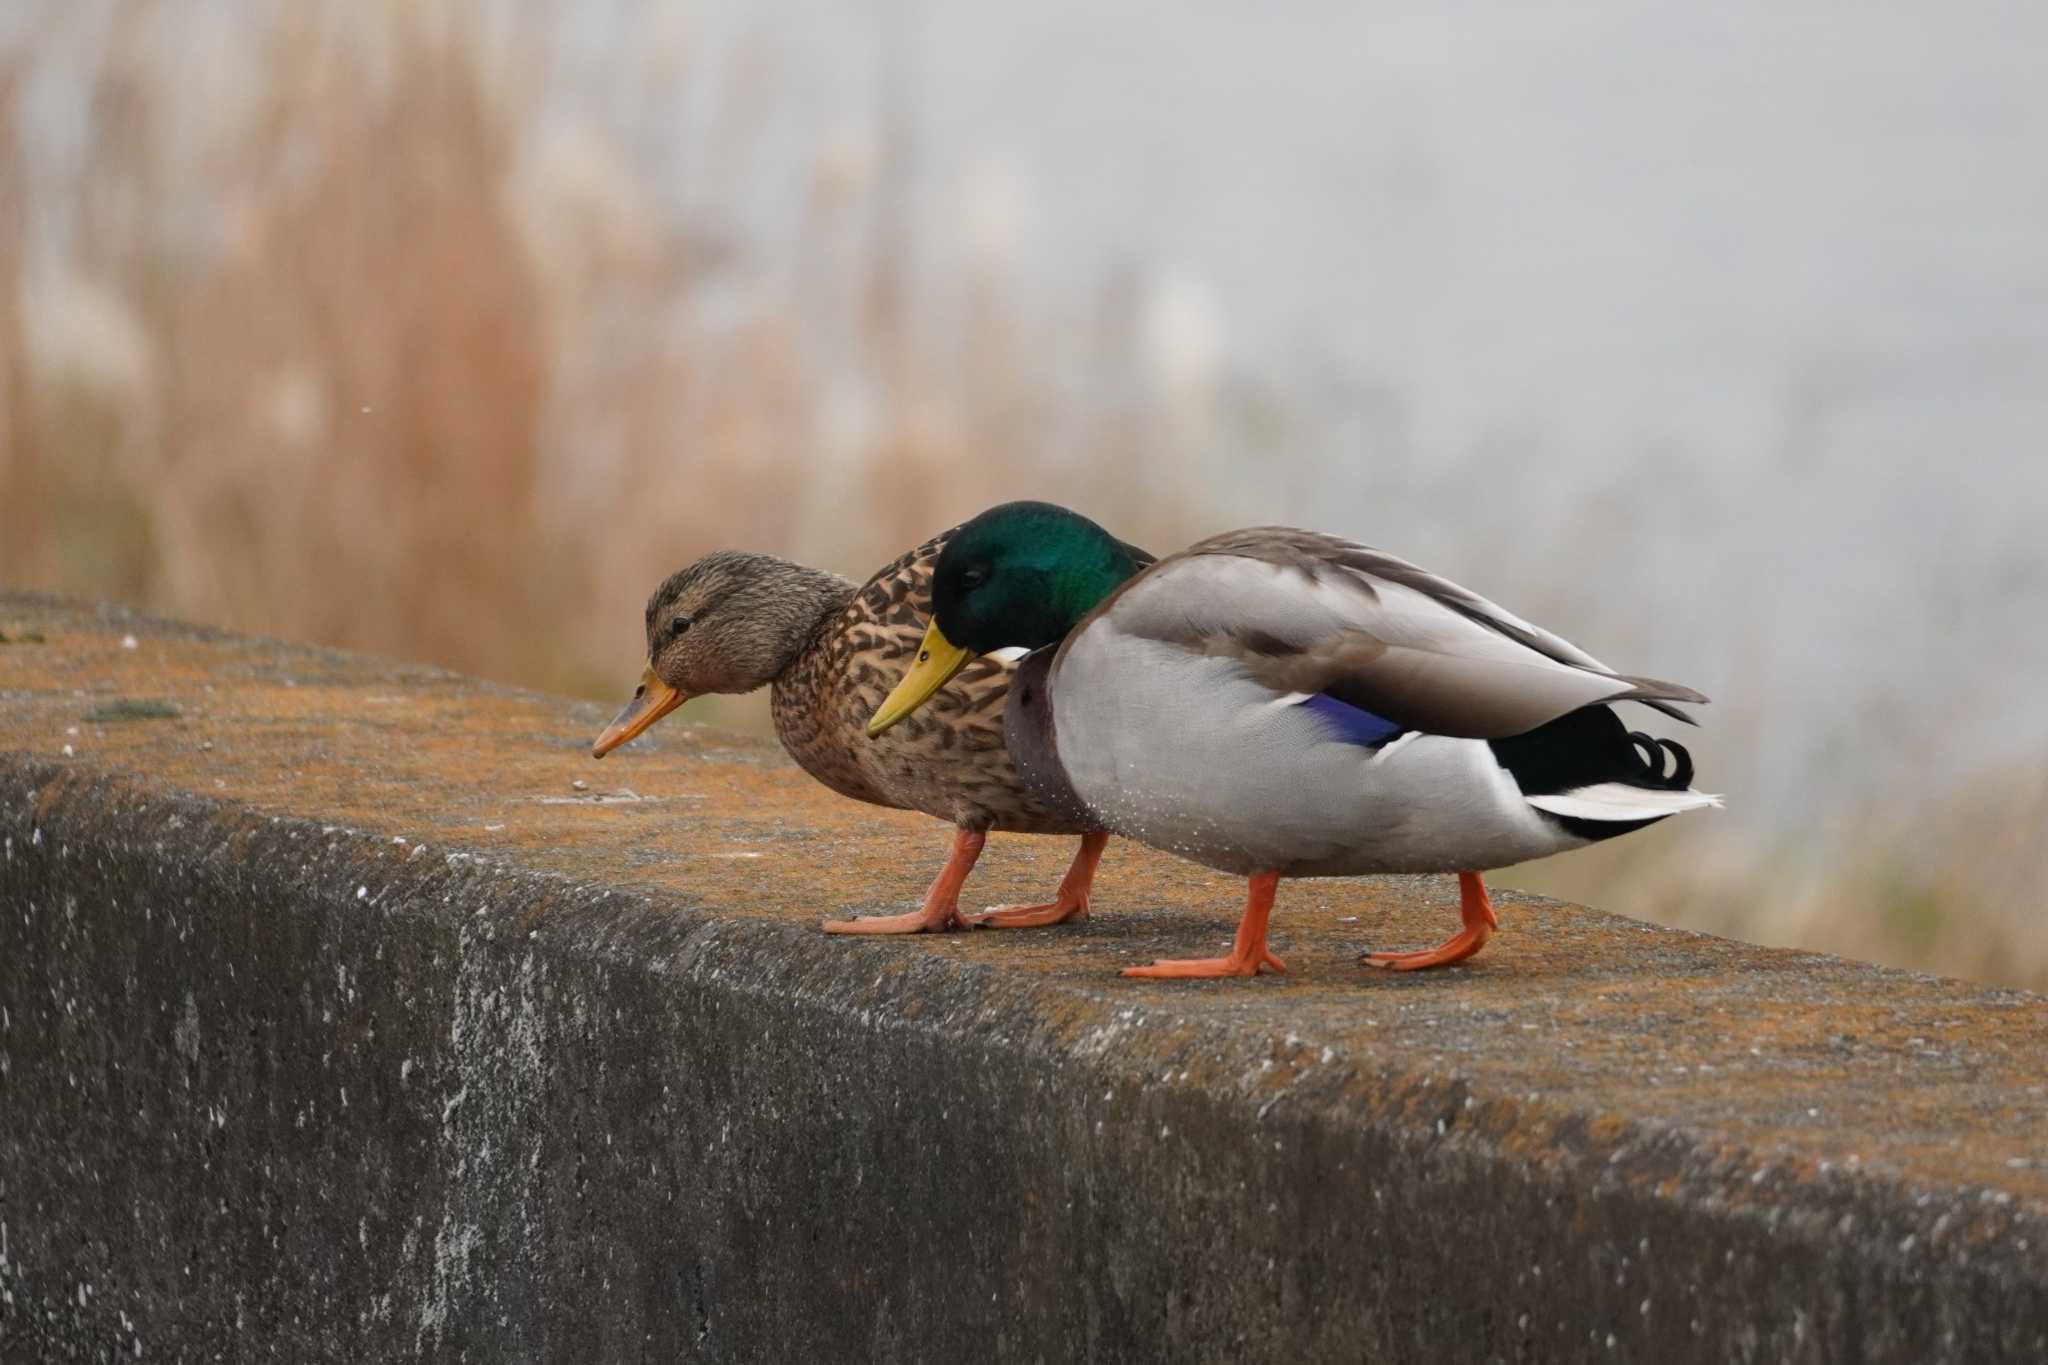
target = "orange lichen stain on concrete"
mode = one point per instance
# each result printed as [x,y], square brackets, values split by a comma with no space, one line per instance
[1575,1030]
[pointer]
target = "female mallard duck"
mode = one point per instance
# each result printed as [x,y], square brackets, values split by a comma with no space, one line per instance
[1278,703]
[734,622]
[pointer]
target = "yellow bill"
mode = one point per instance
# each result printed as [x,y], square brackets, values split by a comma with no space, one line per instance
[938,659]
[652,700]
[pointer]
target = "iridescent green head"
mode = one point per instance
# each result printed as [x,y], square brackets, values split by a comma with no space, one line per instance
[1022,574]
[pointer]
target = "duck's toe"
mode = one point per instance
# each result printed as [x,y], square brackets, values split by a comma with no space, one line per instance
[1200,968]
[1474,907]
[929,921]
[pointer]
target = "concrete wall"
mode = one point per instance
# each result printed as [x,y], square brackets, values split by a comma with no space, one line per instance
[335,1022]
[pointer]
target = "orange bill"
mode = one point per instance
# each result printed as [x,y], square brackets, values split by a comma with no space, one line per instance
[652,700]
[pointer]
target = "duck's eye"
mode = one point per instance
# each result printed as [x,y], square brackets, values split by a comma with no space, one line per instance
[678,626]
[974,577]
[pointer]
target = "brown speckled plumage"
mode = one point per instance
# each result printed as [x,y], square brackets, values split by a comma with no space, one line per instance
[830,653]
[947,760]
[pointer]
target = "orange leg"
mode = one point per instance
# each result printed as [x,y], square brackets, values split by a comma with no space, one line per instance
[1247,955]
[941,910]
[1480,922]
[1070,902]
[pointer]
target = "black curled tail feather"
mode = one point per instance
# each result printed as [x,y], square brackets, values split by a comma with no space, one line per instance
[1653,750]
[1589,746]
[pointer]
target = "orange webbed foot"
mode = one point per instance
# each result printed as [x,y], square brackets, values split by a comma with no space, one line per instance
[1247,954]
[1480,921]
[941,909]
[1201,968]
[1456,948]
[1069,904]
[916,922]
[1029,916]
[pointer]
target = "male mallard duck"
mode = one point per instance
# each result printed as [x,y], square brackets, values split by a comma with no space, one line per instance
[1279,703]
[734,622]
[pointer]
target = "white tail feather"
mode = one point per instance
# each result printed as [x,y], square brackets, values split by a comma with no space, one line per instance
[1620,801]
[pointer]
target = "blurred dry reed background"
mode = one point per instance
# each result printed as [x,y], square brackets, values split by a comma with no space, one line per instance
[378,325]
[366,357]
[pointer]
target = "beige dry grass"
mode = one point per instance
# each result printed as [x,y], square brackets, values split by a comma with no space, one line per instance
[372,409]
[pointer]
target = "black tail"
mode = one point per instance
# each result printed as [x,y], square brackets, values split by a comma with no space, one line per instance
[1591,745]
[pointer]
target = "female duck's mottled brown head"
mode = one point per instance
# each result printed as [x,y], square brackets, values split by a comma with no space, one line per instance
[731,622]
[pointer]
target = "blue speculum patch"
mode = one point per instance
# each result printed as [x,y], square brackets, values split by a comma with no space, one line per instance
[1353,724]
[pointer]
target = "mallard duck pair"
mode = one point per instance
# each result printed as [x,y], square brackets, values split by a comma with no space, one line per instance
[1269,702]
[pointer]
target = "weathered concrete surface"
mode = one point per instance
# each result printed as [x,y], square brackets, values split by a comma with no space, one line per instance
[335,1024]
